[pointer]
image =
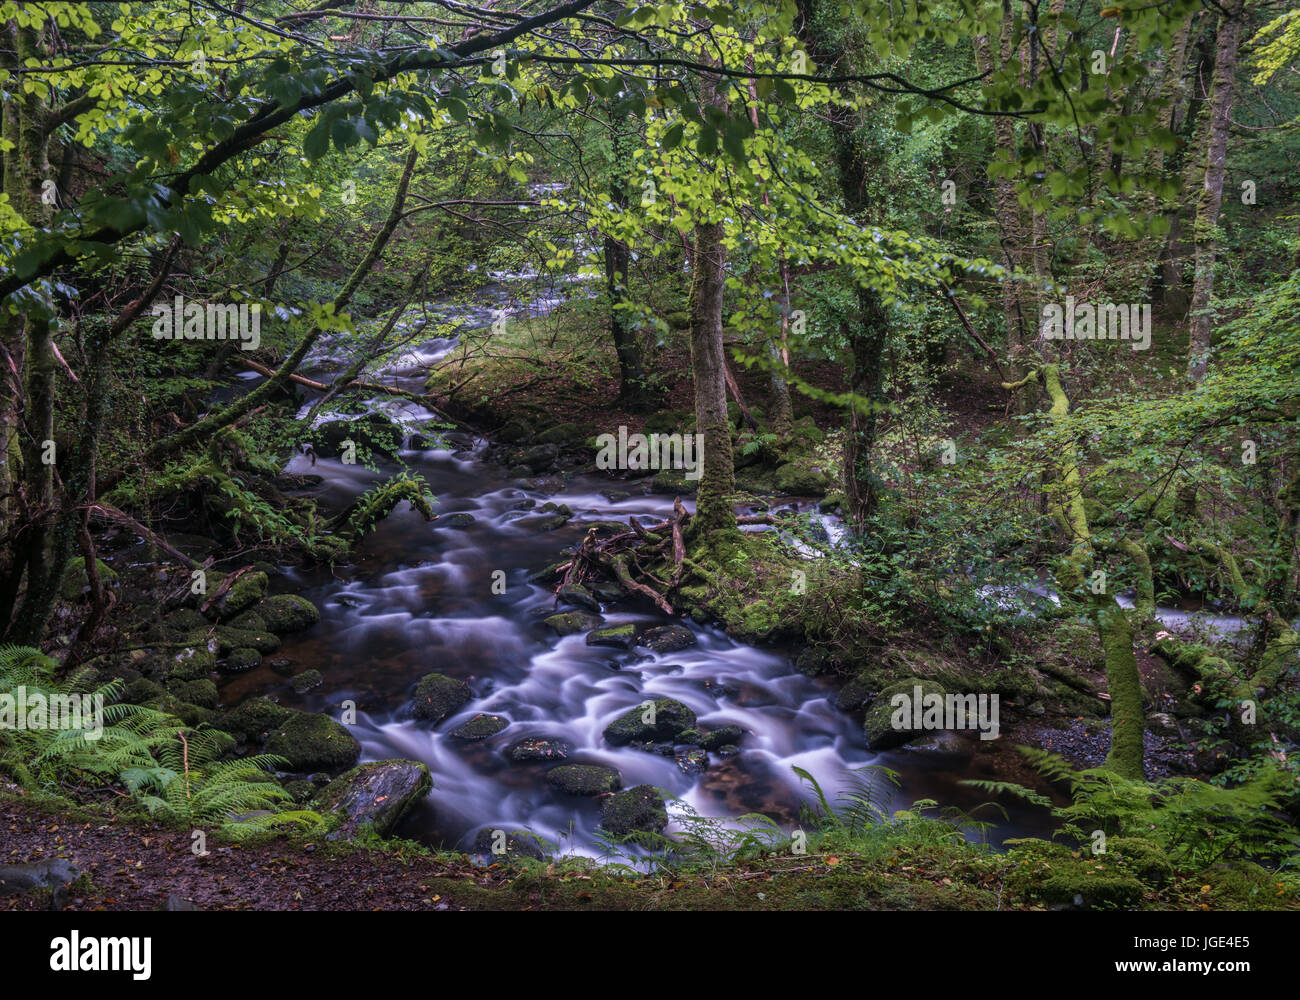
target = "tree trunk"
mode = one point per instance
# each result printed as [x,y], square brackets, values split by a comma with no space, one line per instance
[1211,195]
[633,390]
[713,510]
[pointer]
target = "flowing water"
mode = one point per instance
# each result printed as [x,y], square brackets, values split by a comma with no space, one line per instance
[421,598]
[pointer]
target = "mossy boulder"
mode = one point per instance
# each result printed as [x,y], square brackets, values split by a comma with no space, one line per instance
[202,692]
[252,719]
[584,779]
[189,664]
[1244,885]
[313,743]
[240,659]
[650,722]
[247,591]
[537,748]
[578,595]
[480,727]
[617,636]
[437,696]
[183,621]
[637,810]
[76,580]
[723,736]
[667,638]
[802,478]
[573,622]
[856,693]
[562,434]
[878,725]
[285,613]
[374,795]
[141,690]
[191,715]
[228,638]
[249,621]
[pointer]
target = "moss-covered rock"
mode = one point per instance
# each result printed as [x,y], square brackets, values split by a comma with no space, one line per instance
[878,725]
[721,737]
[285,613]
[617,636]
[191,715]
[1244,885]
[480,727]
[306,681]
[437,696]
[252,719]
[374,795]
[189,664]
[584,779]
[573,622]
[562,434]
[242,595]
[249,621]
[498,844]
[313,742]
[240,659]
[649,722]
[141,690]
[1146,859]
[75,579]
[183,621]
[202,692]
[637,810]
[228,637]
[578,595]
[537,748]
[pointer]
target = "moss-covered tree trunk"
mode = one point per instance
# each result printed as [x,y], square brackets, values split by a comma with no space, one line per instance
[1210,199]
[713,509]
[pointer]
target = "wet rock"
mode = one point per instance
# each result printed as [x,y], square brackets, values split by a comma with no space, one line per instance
[584,779]
[437,696]
[607,591]
[614,496]
[617,636]
[538,749]
[313,743]
[730,750]
[650,722]
[667,638]
[282,666]
[374,795]
[306,681]
[539,457]
[514,431]
[242,659]
[461,519]
[578,595]
[480,727]
[637,810]
[573,622]
[497,843]
[693,762]
[543,522]
[878,724]
[856,693]
[287,613]
[715,739]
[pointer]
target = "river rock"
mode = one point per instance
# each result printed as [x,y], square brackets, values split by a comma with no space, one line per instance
[573,622]
[306,681]
[667,638]
[437,696]
[461,519]
[617,636]
[539,457]
[577,594]
[480,727]
[375,794]
[878,727]
[538,749]
[692,762]
[253,719]
[243,594]
[715,739]
[584,779]
[637,810]
[286,613]
[667,717]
